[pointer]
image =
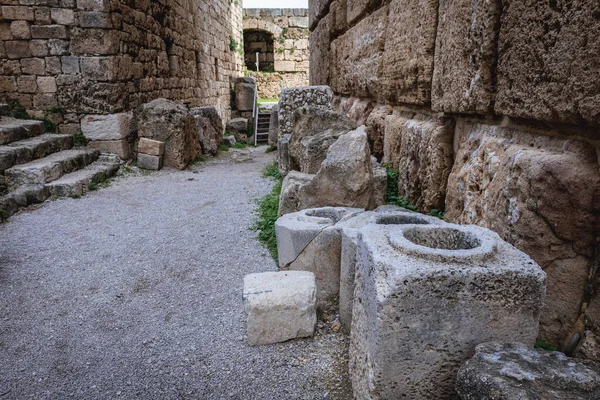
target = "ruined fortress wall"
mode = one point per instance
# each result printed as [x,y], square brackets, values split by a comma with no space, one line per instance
[489,109]
[289,28]
[103,56]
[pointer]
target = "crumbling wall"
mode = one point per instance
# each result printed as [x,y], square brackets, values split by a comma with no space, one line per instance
[102,57]
[516,84]
[289,30]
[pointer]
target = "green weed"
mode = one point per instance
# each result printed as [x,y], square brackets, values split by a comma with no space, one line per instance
[270,149]
[79,139]
[542,344]
[223,147]
[268,212]
[239,145]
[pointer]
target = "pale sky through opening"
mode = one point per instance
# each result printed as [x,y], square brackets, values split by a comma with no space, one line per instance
[275,3]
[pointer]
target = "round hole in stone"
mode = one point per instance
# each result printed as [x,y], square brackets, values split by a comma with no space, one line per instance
[329,213]
[442,238]
[400,220]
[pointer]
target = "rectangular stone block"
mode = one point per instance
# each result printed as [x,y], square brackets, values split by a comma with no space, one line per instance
[320,56]
[94,41]
[95,19]
[99,68]
[33,66]
[94,5]
[559,84]
[465,53]
[27,84]
[20,30]
[107,127]
[356,9]
[38,48]
[146,161]
[17,13]
[279,306]
[16,49]
[46,84]
[407,67]
[70,64]
[118,147]
[8,84]
[62,16]
[358,56]
[151,147]
[285,66]
[49,32]
[298,22]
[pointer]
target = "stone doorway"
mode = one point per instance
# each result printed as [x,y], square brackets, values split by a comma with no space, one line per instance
[261,42]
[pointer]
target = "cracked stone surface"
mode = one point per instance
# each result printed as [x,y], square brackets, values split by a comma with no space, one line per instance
[134,292]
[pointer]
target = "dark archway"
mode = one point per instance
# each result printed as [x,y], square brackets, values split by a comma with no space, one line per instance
[262,42]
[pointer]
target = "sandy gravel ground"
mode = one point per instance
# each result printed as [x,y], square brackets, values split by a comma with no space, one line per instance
[134,292]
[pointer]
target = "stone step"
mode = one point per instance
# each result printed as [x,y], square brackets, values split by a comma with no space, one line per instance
[78,182]
[49,168]
[24,151]
[12,129]
[22,197]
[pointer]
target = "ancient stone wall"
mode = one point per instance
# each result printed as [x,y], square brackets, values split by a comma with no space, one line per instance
[102,57]
[490,109]
[288,29]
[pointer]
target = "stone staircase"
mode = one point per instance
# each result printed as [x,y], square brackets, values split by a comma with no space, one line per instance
[35,165]
[264,123]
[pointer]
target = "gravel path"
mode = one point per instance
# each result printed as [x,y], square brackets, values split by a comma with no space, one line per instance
[134,292]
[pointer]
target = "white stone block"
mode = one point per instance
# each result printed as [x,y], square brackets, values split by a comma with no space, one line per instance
[425,296]
[107,127]
[279,306]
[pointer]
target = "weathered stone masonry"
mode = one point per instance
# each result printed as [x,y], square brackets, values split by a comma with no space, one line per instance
[105,57]
[289,30]
[491,110]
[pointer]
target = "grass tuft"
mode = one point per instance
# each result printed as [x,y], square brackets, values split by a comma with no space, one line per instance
[391,195]
[268,211]
[222,147]
[542,344]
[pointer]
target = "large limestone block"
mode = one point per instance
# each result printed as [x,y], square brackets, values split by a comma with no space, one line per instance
[245,88]
[309,240]
[292,99]
[238,127]
[465,51]
[210,128]
[284,160]
[313,151]
[515,371]
[118,147]
[375,127]
[385,215]
[314,130]
[392,139]
[541,194]
[355,9]
[279,306]
[107,127]
[316,11]
[320,57]
[424,163]
[425,296]
[173,124]
[559,83]
[274,126]
[294,181]
[358,57]
[407,62]
[345,178]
